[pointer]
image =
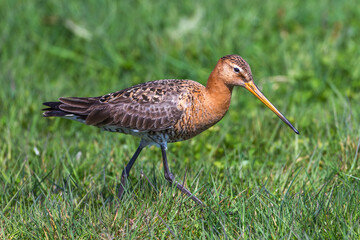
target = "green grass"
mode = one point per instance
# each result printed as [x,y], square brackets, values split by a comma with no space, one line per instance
[259,180]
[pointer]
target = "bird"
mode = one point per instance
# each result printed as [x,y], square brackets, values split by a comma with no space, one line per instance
[164,111]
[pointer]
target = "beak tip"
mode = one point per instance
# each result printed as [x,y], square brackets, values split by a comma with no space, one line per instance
[296,131]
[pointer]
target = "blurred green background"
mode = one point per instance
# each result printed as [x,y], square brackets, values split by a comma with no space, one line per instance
[58,178]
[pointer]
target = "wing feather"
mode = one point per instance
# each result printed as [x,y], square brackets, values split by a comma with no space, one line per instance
[151,106]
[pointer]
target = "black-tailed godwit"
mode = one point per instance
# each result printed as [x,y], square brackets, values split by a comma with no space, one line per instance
[164,111]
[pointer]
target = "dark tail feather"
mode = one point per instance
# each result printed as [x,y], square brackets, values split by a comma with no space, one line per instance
[53,110]
[54,113]
[52,105]
[78,106]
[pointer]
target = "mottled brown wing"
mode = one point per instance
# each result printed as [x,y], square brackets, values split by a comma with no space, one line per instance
[150,106]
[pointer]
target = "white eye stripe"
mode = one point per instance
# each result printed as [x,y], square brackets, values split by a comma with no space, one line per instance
[238,69]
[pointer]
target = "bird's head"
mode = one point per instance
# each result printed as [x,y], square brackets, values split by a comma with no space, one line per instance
[235,71]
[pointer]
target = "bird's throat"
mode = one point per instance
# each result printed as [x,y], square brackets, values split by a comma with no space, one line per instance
[218,95]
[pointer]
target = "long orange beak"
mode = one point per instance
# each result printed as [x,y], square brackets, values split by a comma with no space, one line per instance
[254,90]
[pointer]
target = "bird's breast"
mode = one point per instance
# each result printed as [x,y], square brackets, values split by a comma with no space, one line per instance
[199,114]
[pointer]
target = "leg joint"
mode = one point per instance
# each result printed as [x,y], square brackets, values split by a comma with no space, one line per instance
[169,177]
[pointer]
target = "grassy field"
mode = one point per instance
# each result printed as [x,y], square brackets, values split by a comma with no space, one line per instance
[259,180]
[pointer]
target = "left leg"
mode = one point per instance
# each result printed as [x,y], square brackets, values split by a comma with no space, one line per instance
[170,178]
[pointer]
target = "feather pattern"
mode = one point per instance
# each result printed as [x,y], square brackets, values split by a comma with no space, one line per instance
[149,107]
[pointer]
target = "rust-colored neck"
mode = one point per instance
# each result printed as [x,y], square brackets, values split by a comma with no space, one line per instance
[218,93]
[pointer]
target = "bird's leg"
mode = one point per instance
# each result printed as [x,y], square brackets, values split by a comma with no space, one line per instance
[170,178]
[125,172]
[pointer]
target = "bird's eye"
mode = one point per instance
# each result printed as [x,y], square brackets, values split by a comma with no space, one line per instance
[236,69]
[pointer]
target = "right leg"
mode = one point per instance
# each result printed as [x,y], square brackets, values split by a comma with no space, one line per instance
[170,178]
